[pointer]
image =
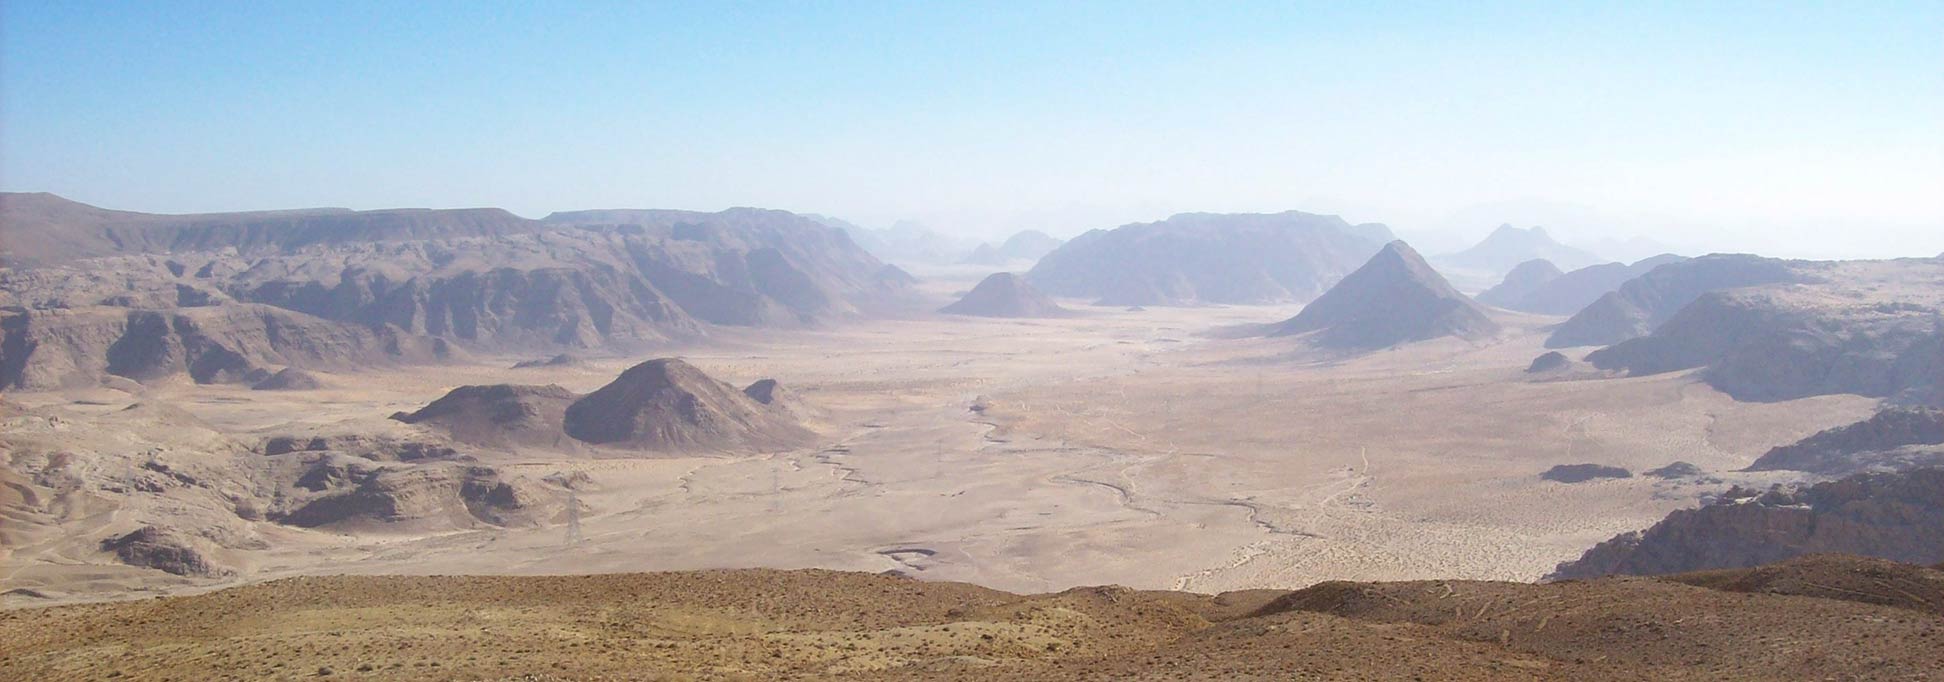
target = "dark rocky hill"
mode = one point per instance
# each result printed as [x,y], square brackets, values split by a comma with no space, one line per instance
[1892,439]
[1524,279]
[1003,294]
[669,405]
[1643,303]
[1573,291]
[1395,298]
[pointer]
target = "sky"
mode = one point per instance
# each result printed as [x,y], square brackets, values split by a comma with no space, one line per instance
[1786,129]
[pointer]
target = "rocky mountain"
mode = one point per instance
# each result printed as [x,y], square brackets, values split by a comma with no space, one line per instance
[1028,245]
[499,415]
[1897,516]
[1003,294]
[1505,248]
[669,405]
[1196,258]
[422,278]
[1524,279]
[1893,439]
[289,379]
[1643,303]
[1571,292]
[1394,298]
[1872,328]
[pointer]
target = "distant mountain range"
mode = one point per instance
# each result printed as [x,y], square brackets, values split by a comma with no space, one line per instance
[1201,258]
[1490,260]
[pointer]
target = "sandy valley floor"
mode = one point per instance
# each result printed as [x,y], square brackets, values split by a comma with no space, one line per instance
[1129,447]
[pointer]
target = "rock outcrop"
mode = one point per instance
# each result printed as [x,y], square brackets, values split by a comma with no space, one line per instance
[499,415]
[1581,473]
[1394,298]
[1550,362]
[1896,516]
[1642,304]
[289,379]
[1003,294]
[1209,258]
[1871,328]
[669,405]
[1893,439]
[340,492]
[167,550]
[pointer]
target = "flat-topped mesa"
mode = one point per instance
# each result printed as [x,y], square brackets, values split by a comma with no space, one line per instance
[669,405]
[1003,294]
[1395,298]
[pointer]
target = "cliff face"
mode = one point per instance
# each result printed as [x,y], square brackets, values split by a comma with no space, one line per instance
[1896,516]
[480,279]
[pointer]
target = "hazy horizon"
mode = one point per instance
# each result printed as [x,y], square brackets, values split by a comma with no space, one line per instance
[1788,131]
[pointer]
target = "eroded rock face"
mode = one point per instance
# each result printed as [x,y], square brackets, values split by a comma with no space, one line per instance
[336,491]
[669,405]
[1003,294]
[1895,438]
[165,550]
[1865,327]
[1393,299]
[1642,304]
[402,280]
[1209,258]
[1896,516]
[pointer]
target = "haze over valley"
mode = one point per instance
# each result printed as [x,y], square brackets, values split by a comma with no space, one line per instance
[1007,379]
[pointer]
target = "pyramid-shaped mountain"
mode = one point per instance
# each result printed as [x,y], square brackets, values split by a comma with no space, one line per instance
[1004,294]
[669,405]
[1394,298]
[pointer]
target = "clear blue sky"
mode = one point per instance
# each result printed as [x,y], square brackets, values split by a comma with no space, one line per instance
[1795,129]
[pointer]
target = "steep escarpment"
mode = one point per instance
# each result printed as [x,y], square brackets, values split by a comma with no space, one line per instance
[1897,516]
[1864,327]
[1210,258]
[478,279]
[1642,304]
[1394,298]
[669,405]
[216,344]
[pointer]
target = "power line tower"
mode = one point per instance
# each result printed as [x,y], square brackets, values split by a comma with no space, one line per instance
[573,519]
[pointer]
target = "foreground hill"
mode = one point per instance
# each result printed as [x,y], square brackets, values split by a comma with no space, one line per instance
[401,286]
[765,624]
[1395,298]
[1210,258]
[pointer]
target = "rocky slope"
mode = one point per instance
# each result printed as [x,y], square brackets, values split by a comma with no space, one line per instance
[481,279]
[1892,439]
[1642,304]
[1003,294]
[1864,327]
[1209,258]
[499,415]
[1394,298]
[669,405]
[1897,516]
[823,625]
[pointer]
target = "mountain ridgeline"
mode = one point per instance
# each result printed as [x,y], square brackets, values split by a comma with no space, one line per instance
[1203,258]
[400,286]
